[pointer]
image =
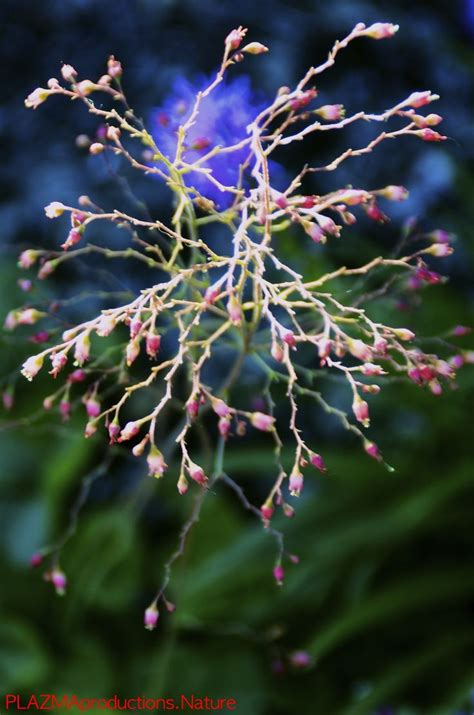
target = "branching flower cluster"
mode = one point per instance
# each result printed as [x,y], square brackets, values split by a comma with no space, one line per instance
[243,296]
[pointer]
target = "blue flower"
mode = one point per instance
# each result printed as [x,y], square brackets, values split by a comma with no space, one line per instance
[223,117]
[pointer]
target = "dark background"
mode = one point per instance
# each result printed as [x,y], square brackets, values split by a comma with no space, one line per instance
[383,596]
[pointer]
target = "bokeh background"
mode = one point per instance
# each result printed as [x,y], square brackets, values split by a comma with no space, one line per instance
[383,597]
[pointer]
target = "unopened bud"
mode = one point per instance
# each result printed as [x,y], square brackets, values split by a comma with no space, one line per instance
[254,48]
[262,422]
[361,410]
[279,574]
[156,462]
[59,581]
[69,73]
[130,430]
[151,617]
[296,483]
[381,30]
[197,473]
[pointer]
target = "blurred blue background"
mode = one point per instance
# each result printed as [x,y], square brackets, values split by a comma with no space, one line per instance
[383,597]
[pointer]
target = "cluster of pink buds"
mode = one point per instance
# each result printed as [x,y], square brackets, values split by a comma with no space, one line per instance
[161,352]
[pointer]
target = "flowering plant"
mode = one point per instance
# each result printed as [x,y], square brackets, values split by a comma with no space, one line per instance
[214,150]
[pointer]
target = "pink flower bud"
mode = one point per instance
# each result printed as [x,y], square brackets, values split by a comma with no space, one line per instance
[197,473]
[130,430]
[59,581]
[308,202]
[92,407]
[29,316]
[370,369]
[380,346]
[36,560]
[460,330]
[211,294]
[105,325]
[48,402]
[435,387]
[90,429]
[381,30]
[427,276]
[324,348]
[372,450]
[114,431]
[288,337]
[394,193]
[328,225]
[279,574]
[315,232]
[153,342]
[374,213]
[440,250]
[303,99]
[429,135]
[415,375]
[114,67]
[58,361]
[135,327]
[46,269]
[266,510]
[288,511]
[300,659]
[444,369]
[281,201]
[156,462]
[182,484]
[69,73]
[359,349]
[132,351]
[224,426]
[419,99]
[32,366]
[77,218]
[234,309]
[28,258]
[296,483]
[277,351]
[404,334]
[25,285]
[77,376]
[426,372]
[192,407]
[317,461]
[235,37]
[331,112]
[262,422]
[456,361]
[82,348]
[151,617]
[42,336]
[361,410]
[139,448]
[65,409]
[221,408]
